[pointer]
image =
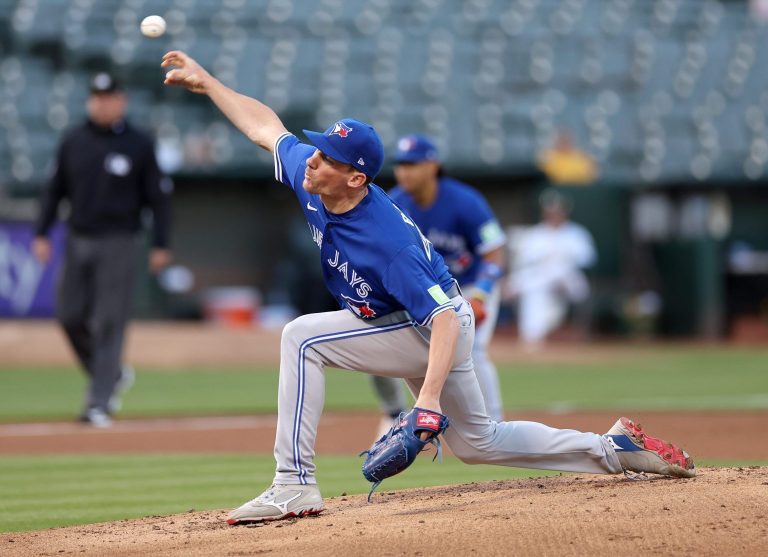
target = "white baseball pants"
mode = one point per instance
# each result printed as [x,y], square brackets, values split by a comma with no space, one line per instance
[389,390]
[393,346]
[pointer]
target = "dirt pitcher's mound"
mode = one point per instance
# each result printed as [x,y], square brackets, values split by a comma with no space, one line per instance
[721,512]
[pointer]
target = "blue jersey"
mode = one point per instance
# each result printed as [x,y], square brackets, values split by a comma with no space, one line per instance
[459,223]
[375,260]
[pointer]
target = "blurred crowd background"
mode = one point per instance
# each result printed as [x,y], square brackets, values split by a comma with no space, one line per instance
[648,117]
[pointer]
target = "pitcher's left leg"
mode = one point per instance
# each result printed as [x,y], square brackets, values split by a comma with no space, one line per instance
[301,396]
[387,346]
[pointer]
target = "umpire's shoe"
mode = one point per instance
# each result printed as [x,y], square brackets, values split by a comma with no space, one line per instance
[280,501]
[123,385]
[639,452]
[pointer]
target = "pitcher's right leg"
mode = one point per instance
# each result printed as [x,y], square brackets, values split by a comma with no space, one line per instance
[476,439]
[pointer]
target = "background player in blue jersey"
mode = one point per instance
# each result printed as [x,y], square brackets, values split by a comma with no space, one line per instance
[460,224]
[402,316]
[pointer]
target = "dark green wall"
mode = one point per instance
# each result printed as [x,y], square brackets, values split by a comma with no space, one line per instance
[237,232]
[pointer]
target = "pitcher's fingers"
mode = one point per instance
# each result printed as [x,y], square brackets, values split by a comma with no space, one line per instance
[174,57]
[173,53]
[172,61]
[174,77]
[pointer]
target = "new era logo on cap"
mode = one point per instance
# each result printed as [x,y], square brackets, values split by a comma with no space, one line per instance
[352,142]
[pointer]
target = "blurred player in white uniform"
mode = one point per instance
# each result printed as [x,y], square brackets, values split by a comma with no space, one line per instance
[548,270]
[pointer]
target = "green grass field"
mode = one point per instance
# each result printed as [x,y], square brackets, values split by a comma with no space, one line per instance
[40,492]
[64,490]
[661,378]
[67,490]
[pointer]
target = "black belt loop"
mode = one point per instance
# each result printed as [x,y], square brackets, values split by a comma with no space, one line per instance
[454,290]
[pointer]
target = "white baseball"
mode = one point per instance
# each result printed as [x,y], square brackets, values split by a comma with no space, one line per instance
[152,26]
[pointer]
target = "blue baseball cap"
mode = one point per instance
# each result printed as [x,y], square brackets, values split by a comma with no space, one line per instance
[415,148]
[352,142]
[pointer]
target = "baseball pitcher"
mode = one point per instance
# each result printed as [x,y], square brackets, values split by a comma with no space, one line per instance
[403,316]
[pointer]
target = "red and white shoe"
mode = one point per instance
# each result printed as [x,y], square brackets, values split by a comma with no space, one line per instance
[639,452]
[279,502]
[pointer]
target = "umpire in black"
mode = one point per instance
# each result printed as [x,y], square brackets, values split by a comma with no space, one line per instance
[107,171]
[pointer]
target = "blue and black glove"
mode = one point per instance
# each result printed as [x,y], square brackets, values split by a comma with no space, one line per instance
[397,449]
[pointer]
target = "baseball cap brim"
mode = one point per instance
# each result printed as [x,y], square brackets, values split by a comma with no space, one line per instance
[321,142]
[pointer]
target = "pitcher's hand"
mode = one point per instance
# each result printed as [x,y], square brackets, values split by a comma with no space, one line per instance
[187,72]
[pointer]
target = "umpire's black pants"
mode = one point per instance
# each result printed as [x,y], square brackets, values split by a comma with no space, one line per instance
[95,296]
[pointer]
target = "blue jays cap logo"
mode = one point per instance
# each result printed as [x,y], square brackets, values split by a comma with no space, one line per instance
[415,148]
[406,144]
[361,308]
[340,129]
[362,149]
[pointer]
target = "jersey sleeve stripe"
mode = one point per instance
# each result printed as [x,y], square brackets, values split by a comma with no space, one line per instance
[488,247]
[438,309]
[276,157]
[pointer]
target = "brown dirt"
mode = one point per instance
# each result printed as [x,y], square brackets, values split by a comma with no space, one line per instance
[155,344]
[723,435]
[721,512]
[179,345]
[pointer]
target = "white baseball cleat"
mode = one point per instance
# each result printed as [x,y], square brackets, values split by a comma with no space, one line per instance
[278,502]
[639,452]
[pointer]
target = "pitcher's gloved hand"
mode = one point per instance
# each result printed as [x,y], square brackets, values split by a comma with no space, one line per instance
[397,449]
[478,307]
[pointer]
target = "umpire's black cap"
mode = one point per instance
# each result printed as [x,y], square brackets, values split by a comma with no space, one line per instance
[103,82]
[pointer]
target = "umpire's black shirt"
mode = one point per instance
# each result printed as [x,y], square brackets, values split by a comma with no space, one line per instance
[108,175]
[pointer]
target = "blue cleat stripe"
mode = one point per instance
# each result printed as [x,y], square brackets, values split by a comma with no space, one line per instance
[623,443]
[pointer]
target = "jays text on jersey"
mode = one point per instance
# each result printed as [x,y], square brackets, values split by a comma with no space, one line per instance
[375,260]
[459,223]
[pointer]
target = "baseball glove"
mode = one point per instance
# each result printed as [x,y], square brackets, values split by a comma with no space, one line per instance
[478,308]
[397,449]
